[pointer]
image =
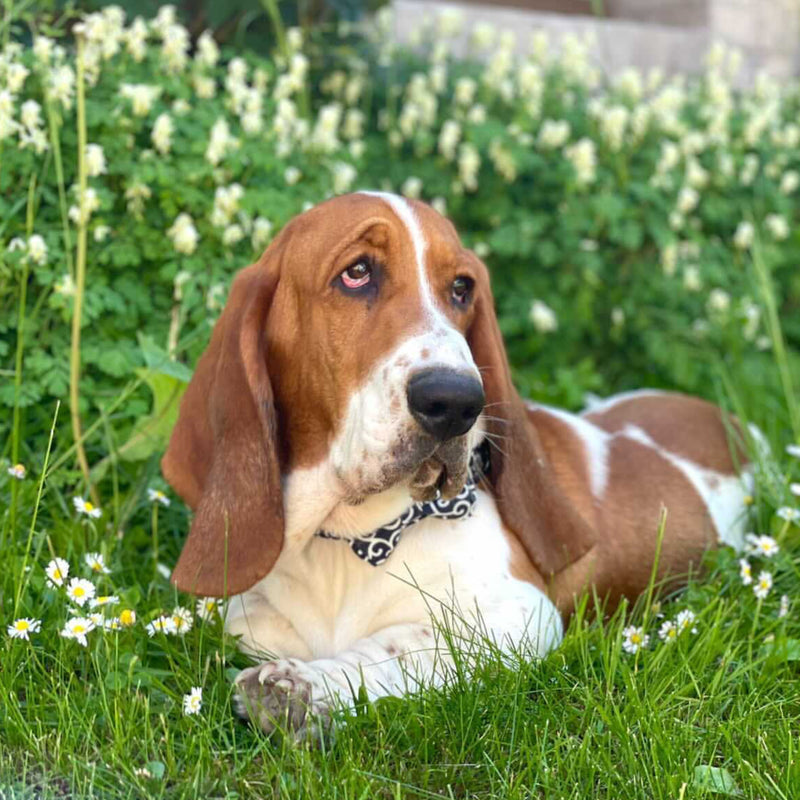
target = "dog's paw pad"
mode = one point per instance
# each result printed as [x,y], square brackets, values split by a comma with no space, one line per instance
[275,696]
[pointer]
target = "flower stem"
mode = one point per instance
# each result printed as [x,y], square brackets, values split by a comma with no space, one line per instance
[80,282]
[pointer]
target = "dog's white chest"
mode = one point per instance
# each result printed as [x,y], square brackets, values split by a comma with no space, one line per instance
[321,601]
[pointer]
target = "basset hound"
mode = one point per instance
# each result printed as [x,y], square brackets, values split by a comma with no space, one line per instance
[362,471]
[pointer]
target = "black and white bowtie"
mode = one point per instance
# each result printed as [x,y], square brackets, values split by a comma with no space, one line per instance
[377,546]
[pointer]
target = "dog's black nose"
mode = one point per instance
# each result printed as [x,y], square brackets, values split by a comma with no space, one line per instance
[446,403]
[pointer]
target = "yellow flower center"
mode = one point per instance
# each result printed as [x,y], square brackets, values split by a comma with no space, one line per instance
[79,591]
[78,628]
[22,625]
[635,638]
[88,507]
[57,575]
[126,617]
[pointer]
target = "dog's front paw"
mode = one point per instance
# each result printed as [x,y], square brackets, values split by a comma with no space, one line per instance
[280,695]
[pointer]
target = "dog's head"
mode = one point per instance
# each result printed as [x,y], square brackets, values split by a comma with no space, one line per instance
[363,345]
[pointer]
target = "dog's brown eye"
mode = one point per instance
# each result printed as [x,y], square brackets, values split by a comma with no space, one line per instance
[462,289]
[357,275]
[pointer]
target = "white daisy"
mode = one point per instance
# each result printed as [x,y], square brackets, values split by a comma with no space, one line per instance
[788,513]
[685,621]
[634,639]
[157,496]
[80,591]
[162,624]
[745,571]
[764,546]
[23,628]
[57,571]
[794,488]
[18,471]
[77,628]
[793,450]
[193,702]
[86,507]
[112,624]
[182,619]
[104,600]
[96,563]
[208,607]
[783,610]
[668,632]
[763,585]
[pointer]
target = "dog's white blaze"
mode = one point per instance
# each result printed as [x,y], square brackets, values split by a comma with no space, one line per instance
[724,495]
[595,445]
[438,322]
[597,405]
[402,208]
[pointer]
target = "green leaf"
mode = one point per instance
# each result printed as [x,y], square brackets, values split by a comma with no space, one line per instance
[715,779]
[167,380]
[783,649]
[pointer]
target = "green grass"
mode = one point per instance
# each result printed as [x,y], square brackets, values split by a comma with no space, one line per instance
[721,705]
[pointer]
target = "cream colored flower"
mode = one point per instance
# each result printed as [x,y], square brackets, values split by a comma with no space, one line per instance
[543,317]
[745,571]
[777,226]
[344,175]
[141,96]
[183,234]
[292,175]
[553,133]
[95,160]
[583,157]
[788,514]
[412,187]
[161,135]
[745,233]
[719,301]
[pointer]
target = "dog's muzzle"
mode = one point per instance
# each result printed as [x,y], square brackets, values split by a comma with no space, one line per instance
[445,402]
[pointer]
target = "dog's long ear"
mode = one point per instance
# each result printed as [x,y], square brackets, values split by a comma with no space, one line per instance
[527,494]
[222,458]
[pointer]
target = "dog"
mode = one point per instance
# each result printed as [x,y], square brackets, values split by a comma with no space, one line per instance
[363,472]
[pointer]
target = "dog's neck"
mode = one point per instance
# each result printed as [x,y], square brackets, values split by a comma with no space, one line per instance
[308,494]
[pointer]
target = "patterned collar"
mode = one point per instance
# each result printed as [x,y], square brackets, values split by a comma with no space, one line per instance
[376,547]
